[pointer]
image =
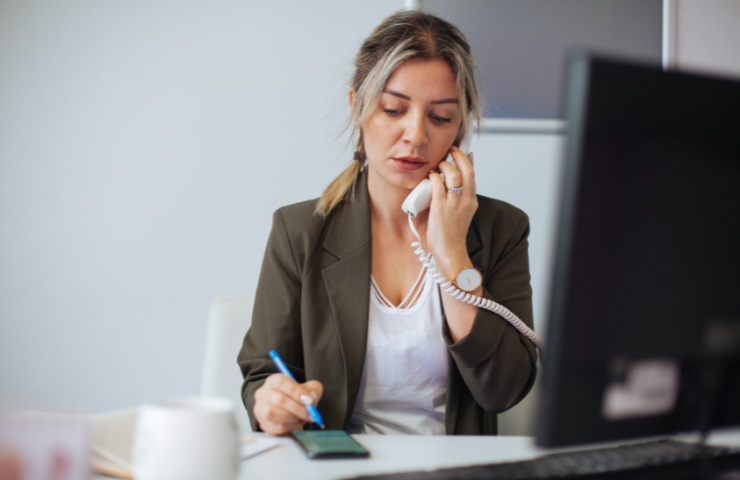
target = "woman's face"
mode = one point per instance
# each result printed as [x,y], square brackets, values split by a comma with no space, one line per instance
[414,123]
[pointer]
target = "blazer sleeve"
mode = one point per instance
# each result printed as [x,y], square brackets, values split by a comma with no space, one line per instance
[497,363]
[275,318]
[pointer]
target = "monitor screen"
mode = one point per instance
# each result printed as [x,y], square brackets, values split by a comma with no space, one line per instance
[643,317]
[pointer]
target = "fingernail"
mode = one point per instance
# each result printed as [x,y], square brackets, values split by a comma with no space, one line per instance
[315,396]
[470,156]
[453,148]
[307,400]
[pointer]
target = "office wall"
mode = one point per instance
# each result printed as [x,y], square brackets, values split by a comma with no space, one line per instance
[143,148]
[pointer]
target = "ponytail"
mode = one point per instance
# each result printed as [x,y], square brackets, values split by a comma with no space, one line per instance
[339,189]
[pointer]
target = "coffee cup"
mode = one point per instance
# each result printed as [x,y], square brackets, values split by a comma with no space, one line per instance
[186,438]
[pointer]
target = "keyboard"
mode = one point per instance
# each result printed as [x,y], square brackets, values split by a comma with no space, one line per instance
[654,460]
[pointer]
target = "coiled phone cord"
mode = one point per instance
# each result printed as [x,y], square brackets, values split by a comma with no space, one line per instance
[428,262]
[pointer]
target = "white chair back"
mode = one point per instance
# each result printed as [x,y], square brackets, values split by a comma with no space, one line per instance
[228,322]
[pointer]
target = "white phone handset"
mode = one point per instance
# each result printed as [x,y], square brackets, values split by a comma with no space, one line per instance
[419,199]
[464,145]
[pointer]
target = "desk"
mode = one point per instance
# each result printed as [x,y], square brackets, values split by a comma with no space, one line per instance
[388,453]
[395,453]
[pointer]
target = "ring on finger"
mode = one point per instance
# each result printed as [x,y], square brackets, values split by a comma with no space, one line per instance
[456,190]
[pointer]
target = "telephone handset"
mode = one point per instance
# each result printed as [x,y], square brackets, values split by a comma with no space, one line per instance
[421,196]
[419,200]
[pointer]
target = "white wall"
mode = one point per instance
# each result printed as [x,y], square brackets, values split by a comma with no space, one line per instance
[143,148]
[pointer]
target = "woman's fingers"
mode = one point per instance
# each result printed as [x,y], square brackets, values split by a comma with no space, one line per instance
[459,176]
[280,404]
[464,164]
[286,394]
[452,176]
[276,421]
[315,390]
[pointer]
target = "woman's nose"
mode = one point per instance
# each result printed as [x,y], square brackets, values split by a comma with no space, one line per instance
[416,131]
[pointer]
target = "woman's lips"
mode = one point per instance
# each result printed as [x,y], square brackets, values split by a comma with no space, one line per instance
[409,163]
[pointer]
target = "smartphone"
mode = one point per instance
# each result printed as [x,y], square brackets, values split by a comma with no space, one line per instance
[329,444]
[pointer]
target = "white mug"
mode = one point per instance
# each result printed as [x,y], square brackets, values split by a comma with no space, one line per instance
[186,438]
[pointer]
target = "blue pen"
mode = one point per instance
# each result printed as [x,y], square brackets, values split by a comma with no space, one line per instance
[312,410]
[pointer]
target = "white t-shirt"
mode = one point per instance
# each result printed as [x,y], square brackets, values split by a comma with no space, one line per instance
[404,382]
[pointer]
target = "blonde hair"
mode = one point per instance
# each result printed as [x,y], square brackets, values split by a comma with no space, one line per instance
[403,36]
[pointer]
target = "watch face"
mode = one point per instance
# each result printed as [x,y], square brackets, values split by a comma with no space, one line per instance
[468,279]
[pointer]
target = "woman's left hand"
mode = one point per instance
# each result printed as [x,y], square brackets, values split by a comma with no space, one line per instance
[454,203]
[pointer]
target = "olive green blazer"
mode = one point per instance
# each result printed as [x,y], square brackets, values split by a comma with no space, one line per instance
[312,304]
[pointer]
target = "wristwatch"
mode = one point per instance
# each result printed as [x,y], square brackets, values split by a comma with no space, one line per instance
[468,279]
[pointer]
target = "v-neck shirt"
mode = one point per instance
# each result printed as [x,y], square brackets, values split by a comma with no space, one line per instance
[404,382]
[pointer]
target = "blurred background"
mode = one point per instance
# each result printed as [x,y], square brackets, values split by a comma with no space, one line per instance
[145,144]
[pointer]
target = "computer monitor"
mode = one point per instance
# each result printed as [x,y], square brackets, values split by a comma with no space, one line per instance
[642,336]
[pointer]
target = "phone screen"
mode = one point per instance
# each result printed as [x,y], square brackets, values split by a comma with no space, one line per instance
[329,444]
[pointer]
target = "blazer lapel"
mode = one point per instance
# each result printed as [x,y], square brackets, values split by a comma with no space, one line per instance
[347,283]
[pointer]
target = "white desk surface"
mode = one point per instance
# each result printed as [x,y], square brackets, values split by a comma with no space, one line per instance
[388,453]
[397,453]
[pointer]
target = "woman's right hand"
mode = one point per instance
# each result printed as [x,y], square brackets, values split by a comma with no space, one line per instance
[279,404]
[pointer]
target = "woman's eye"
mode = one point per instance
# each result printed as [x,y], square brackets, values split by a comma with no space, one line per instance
[441,119]
[393,112]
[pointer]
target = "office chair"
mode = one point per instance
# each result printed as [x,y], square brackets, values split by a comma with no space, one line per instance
[228,322]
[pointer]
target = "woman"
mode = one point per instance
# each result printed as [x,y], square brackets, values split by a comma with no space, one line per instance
[342,295]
